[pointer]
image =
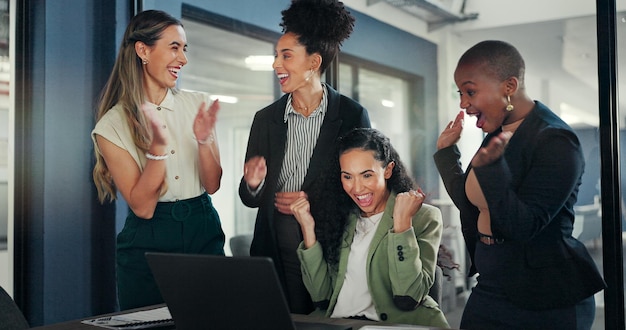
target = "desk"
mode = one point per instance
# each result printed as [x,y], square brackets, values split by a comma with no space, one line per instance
[355,324]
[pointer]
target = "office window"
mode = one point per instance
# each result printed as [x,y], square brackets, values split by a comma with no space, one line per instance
[389,97]
[235,66]
[237,70]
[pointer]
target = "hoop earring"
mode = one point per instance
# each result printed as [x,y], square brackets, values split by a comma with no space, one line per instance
[509,107]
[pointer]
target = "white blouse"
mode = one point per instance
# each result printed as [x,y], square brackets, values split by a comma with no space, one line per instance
[178,110]
[355,298]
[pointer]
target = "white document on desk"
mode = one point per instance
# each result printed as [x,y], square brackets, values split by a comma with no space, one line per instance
[157,317]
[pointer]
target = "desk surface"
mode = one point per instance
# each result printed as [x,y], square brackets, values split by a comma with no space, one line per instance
[355,324]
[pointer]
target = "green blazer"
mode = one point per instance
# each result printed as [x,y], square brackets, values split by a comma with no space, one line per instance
[400,269]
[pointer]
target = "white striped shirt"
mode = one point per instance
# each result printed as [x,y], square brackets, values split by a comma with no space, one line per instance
[302,134]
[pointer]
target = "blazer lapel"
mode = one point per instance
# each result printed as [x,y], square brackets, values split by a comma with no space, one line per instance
[385,225]
[278,136]
[326,140]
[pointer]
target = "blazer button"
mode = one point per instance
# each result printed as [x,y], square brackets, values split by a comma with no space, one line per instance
[399,247]
[401,258]
[383,317]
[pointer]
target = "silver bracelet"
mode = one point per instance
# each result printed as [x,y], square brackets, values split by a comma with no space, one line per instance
[208,140]
[157,157]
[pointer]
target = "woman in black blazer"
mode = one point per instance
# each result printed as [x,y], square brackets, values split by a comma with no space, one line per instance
[292,140]
[516,201]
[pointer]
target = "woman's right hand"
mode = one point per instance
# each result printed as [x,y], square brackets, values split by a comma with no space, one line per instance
[301,210]
[452,133]
[159,133]
[254,171]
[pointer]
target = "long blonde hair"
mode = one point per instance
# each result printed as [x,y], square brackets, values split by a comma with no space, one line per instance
[125,88]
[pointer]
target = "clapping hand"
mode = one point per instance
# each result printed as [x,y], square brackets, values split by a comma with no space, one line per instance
[204,123]
[158,129]
[492,151]
[452,133]
[254,171]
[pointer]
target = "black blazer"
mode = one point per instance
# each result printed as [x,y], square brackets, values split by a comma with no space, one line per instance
[531,193]
[268,136]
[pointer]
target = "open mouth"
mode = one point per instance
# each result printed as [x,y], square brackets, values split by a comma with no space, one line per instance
[364,200]
[282,77]
[174,71]
[480,120]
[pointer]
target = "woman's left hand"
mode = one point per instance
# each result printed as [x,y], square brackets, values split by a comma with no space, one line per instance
[407,204]
[492,151]
[204,123]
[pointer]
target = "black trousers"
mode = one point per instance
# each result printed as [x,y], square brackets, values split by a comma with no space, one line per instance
[186,226]
[488,307]
[289,236]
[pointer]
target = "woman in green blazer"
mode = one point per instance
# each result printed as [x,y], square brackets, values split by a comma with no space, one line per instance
[369,250]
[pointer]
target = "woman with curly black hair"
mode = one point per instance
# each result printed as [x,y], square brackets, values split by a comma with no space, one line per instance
[291,140]
[370,246]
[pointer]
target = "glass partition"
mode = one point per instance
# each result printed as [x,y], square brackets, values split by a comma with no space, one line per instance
[237,70]
[5,152]
[621,97]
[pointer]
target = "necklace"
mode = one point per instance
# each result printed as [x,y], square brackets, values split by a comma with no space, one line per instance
[304,108]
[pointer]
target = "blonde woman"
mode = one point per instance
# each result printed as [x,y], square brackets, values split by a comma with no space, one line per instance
[156,146]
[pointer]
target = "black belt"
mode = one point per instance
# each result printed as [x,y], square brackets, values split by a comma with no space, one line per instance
[180,210]
[489,240]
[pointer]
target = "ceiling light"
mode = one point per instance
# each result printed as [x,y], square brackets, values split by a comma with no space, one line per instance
[387,103]
[224,98]
[260,62]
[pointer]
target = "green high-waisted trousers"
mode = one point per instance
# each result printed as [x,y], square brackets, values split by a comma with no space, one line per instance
[186,226]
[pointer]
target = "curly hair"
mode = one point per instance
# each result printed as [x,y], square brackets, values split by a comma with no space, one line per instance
[331,206]
[321,26]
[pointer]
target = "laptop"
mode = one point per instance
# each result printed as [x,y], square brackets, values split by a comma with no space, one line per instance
[219,292]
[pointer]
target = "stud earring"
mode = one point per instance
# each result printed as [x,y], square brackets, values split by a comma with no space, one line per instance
[309,76]
[144,62]
[509,107]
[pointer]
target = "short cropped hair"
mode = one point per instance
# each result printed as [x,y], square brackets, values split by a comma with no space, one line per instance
[500,58]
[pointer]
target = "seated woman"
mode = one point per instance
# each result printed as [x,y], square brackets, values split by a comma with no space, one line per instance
[370,248]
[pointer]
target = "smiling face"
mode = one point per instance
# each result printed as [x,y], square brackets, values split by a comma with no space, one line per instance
[292,64]
[165,58]
[364,179]
[482,96]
